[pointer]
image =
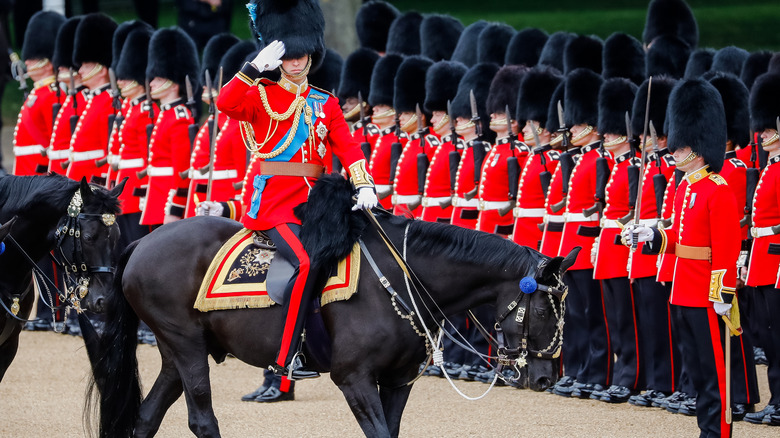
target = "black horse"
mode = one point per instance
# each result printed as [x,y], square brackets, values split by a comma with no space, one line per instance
[374,354]
[43,205]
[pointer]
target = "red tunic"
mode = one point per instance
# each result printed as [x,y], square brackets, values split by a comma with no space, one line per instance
[241,101]
[645,265]
[169,156]
[59,144]
[763,265]
[464,212]
[198,159]
[90,139]
[33,131]
[735,173]
[438,187]
[133,154]
[705,215]
[580,230]
[406,188]
[611,254]
[529,213]
[553,221]
[114,144]
[379,164]
[667,261]
[493,189]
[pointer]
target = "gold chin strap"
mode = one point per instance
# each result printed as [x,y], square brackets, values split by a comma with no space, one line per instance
[159,91]
[92,73]
[554,141]
[124,90]
[692,156]
[410,125]
[388,113]
[498,123]
[303,72]
[584,133]
[460,129]
[442,123]
[354,111]
[771,139]
[615,142]
[38,65]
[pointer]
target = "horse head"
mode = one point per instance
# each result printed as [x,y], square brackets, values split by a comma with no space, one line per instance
[533,322]
[4,230]
[86,243]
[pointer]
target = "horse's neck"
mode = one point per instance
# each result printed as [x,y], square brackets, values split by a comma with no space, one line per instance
[456,288]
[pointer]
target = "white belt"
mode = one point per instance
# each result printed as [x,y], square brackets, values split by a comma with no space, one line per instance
[87,155]
[383,187]
[131,163]
[59,154]
[216,175]
[434,202]
[492,205]
[528,212]
[609,223]
[405,199]
[554,219]
[462,202]
[580,217]
[159,171]
[20,151]
[114,159]
[762,231]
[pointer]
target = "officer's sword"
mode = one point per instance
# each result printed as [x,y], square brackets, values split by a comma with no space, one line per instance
[727,354]
[634,176]
[215,131]
[635,236]
[365,147]
[19,73]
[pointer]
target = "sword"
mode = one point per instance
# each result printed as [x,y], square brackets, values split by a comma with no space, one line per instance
[18,72]
[633,177]
[365,146]
[727,354]
[634,236]
[213,140]
[475,115]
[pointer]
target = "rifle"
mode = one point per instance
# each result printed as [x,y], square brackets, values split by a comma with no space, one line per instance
[752,176]
[74,118]
[633,176]
[477,147]
[422,158]
[659,181]
[364,146]
[149,126]
[566,161]
[55,109]
[116,104]
[544,176]
[395,149]
[214,132]
[512,168]
[192,130]
[454,155]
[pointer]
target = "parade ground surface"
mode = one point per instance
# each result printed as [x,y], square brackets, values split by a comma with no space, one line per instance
[43,393]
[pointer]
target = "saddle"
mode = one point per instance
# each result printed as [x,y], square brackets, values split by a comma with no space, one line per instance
[247,273]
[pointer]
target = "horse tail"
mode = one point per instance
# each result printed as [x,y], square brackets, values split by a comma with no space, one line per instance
[114,390]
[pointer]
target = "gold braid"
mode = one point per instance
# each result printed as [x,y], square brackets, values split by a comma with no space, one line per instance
[295,109]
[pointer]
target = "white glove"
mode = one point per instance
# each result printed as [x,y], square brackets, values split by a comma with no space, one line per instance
[209,208]
[721,308]
[366,199]
[643,233]
[270,58]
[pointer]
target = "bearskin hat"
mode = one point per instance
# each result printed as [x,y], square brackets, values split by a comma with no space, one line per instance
[616,97]
[552,52]
[382,80]
[441,84]
[466,49]
[234,57]
[729,60]
[120,36]
[327,77]
[764,104]
[697,119]
[774,63]
[668,56]
[410,84]
[583,52]
[662,88]
[63,46]
[134,55]
[623,57]
[504,89]
[439,35]
[215,49]
[281,20]
[582,97]
[404,35]
[755,65]
[535,94]
[373,22]
[699,63]
[525,47]
[93,39]
[41,35]
[356,74]
[735,96]
[671,17]
[476,79]
[173,56]
[493,41]
[553,124]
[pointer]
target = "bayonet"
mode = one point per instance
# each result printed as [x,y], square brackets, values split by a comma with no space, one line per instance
[654,139]
[420,126]
[190,96]
[192,130]
[363,121]
[213,147]
[452,124]
[562,127]
[629,134]
[537,140]
[475,115]
[509,128]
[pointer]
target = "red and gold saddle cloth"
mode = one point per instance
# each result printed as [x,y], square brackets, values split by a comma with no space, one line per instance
[236,278]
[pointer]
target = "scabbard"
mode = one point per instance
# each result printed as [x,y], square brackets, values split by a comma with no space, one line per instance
[422,172]
[544,179]
[192,131]
[149,129]
[633,185]
[55,109]
[513,173]
[454,164]
[566,161]
[602,177]
[366,148]
[74,120]
[479,156]
[395,154]
[659,187]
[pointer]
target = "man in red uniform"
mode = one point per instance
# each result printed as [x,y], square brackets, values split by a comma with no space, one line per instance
[496,194]
[764,255]
[172,57]
[609,256]
[705,237]
[307,121]
[34,124]
[89,143]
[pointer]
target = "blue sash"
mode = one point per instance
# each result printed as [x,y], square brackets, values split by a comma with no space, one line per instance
[300,136]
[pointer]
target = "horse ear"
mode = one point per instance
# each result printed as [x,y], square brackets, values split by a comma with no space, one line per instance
[5,229]
[551,267]
[570,259]
[117,190]
[86,191]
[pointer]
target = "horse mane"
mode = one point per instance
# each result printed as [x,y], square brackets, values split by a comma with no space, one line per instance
[27,194]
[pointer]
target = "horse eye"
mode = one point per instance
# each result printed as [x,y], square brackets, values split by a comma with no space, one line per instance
[541,312]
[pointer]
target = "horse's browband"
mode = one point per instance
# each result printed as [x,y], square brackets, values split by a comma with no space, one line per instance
[291,169]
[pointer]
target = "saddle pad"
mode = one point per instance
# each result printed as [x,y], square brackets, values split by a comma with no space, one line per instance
[236,278]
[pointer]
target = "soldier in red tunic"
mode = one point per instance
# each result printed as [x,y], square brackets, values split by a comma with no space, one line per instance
[172,57]
[288,126]
[762,270]
[34,124]
[705,237]
[89,143]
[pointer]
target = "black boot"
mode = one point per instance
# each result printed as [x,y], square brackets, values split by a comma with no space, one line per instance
[294,371]
[275,395]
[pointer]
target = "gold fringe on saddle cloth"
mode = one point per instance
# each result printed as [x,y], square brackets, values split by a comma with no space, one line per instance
[236,277]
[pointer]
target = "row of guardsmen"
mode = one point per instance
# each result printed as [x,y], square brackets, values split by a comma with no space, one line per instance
[538,138]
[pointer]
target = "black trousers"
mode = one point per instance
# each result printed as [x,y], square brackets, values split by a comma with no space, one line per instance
[701,337]
[660,363]
[593,350]
[621,316]
[769,298]
[130,229]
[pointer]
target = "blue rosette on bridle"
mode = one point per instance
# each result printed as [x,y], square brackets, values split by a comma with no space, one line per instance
[528,285]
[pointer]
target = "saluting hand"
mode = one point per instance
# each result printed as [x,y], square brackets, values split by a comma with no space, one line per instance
[270,58]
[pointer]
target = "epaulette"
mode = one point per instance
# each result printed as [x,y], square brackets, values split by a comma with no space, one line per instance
[554,155]
[323,91]
[717,179]
[181,112]
[738,163]
[669,158]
